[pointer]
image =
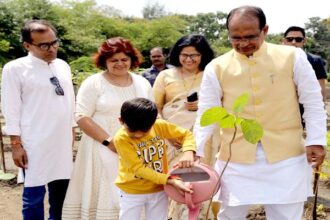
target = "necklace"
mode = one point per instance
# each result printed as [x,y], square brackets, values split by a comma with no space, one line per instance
[186,88]
[118,80]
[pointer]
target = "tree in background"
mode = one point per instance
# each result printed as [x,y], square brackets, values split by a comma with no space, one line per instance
[7,39]
[13,14]
[83,25]
[153,10]
[318,31]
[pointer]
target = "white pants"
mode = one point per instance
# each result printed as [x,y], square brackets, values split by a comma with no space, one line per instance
[292,211]
[154,204]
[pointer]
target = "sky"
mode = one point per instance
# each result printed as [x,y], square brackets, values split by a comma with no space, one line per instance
[280,14]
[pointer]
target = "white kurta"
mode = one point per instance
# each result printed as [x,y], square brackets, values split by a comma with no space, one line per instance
[286,181]
[43,119]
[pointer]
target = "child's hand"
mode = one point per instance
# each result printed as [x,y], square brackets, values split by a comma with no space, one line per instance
[179,186]
[187,159]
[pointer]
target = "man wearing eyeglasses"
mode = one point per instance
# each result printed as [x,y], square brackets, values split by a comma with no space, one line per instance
[275,172]
[296,36]
[38,103]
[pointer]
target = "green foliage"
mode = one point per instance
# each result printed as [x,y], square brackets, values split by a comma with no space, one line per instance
[82,34]
[153,10]
[213,115]
[211,25]
[251,129]
[83,64]
[79,77]
[81,69]
[83,25]
[274,38]
[228,121]
[318,31]
[240,102]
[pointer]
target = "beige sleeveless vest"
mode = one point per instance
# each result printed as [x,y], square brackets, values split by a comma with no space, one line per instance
[268,79]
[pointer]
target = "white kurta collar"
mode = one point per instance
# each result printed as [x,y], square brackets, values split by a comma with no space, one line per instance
[35,59]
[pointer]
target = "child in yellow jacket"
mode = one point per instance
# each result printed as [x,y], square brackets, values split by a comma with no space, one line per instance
[143,167]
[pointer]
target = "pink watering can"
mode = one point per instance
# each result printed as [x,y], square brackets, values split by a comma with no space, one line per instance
[203,180]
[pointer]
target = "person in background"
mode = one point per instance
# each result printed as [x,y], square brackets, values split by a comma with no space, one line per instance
[275,172]
[176,96]
[143,168]
[158,60]
[38,104]
[295,36]
[92,193]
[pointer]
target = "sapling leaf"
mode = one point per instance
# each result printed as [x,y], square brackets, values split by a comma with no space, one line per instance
[213,115]
[238,121]
[252,130]
[227,122]
[240,103]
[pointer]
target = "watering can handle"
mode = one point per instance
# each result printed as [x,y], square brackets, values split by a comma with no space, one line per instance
[188,197]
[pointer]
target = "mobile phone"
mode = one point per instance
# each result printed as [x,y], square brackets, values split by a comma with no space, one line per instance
[193,97]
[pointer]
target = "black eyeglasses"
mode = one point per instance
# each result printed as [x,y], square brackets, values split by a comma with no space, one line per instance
[191,56]
[56,83]
[46,46]
[296,39]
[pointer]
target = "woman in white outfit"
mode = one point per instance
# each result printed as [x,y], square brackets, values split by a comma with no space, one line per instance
[92,193]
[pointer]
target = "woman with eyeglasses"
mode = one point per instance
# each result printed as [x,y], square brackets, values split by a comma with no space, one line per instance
[92,193]
[176,95]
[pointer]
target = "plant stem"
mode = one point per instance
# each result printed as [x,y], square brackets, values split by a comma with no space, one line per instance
[223,170]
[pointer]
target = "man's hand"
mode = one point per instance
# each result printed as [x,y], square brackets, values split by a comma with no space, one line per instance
[19,156]
[315,155]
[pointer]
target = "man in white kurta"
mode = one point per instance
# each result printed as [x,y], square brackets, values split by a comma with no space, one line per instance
[276,171]
[39,117]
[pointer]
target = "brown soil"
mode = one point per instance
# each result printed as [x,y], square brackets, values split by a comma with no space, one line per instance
[10,194]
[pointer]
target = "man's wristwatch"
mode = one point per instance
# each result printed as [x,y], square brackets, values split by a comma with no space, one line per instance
[107,141]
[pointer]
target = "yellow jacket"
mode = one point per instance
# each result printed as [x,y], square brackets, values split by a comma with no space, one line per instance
[273,101]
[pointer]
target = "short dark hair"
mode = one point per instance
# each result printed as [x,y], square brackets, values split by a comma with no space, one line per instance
[295,28]
[139,114]
[248,10]
[39,26]
[117,45]
[197,41]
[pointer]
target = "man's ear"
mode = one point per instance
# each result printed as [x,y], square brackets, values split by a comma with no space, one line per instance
[265,30]
[26,46]
[305,40]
